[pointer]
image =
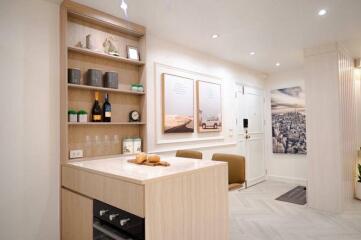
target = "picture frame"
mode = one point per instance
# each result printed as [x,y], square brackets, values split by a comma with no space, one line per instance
[133,53]
[209,107]
[288,110]
[177,104]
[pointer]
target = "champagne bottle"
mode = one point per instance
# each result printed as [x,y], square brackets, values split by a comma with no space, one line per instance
[107,109]
[96,111]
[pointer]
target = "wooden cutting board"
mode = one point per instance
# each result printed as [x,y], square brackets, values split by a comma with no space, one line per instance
[161,163]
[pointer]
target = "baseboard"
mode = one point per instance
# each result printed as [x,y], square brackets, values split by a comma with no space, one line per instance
[298,181]
[254,181]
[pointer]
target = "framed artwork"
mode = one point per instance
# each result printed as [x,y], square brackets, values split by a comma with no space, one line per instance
[209,106]
[288,121]
[178,105]
[133,53]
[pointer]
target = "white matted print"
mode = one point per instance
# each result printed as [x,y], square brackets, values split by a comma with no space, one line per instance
[209,99]
[178,106]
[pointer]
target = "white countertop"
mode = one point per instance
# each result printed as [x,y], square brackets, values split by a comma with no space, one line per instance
[120,167]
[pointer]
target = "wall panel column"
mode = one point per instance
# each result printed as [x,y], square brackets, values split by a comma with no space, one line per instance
[331,127]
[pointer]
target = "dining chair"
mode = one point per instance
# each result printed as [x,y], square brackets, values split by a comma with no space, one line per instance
[236,169]
[189,154]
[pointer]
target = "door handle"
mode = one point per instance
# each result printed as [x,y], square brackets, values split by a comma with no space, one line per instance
[248,136]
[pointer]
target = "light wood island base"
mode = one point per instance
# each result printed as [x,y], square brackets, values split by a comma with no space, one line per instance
[77,216]
[186,201]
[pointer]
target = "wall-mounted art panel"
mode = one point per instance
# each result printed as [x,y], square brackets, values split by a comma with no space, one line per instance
[178,105]
[288,121]
[165,141]
[209,106]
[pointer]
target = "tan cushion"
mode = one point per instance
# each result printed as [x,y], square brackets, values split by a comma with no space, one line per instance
[236,166]
[189,154]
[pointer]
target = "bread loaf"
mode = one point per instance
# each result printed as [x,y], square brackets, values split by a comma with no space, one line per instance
[153,158]
[141,158]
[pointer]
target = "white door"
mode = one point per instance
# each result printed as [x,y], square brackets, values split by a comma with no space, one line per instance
[252,144]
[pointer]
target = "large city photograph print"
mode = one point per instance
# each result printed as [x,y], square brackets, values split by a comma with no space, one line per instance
[288,121]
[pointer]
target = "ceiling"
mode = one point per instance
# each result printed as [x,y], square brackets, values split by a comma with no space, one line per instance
[276,30]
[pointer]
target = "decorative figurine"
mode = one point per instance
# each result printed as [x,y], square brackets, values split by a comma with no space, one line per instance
[79,44]
[110,48]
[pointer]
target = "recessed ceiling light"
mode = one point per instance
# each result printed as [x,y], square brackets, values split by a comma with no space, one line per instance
[278,64]
[322,12]
[214,36]
[252,53]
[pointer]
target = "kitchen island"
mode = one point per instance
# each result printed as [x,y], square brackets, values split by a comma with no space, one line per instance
[187,200]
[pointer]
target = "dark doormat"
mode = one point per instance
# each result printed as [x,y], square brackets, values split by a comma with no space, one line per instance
[296,196]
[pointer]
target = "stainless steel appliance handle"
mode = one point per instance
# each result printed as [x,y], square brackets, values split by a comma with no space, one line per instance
[102,229]
[124,221]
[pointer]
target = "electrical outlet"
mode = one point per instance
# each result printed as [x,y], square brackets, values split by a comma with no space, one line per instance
[76,153]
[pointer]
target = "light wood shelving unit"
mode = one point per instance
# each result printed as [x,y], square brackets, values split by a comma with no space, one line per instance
[77,21]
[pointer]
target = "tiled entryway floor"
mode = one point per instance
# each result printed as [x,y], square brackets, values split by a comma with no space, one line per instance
[256,215]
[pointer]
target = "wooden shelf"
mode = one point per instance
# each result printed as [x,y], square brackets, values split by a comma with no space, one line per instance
[104,123]
[103,55]
[102,89]
[99,18]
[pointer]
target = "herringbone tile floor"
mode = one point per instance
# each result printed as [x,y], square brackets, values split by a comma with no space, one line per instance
[255,215]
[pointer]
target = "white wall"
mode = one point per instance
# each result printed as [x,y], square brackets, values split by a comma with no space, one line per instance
[29,126]
[283,167]
[181,58]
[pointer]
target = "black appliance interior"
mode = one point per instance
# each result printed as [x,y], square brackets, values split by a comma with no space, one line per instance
[110,223]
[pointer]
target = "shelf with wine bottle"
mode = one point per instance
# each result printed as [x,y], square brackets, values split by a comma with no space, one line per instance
[82,49]
[107,112]
[96,113]
[107,109]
